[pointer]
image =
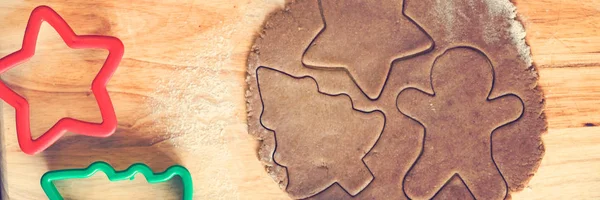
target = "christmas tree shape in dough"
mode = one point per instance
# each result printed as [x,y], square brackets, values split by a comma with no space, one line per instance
[320,138]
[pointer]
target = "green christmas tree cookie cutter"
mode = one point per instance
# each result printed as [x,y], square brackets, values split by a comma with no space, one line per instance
[128,174]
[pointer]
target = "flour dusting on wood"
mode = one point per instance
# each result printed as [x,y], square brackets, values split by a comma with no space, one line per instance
[196,108]
[517,31]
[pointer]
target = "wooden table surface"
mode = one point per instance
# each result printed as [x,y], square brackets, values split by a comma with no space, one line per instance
[179,97]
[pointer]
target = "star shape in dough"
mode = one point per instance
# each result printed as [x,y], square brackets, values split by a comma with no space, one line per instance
[98,87]
[364,38]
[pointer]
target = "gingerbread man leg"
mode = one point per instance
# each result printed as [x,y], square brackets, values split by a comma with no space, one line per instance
[485,181]
[423,181]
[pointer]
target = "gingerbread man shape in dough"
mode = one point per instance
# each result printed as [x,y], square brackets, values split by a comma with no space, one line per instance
[459,120]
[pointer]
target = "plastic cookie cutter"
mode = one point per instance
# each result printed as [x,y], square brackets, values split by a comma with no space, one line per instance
[128,174]
[98,87]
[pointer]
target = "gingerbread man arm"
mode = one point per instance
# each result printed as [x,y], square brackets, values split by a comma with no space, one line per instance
[411,101]
[506,109]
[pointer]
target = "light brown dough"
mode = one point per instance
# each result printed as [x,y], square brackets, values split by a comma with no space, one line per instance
[310,124]
[459,119]
[488,26]
[371,35]
[454,189]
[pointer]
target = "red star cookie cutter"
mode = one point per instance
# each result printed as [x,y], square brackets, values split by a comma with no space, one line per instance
[109,118]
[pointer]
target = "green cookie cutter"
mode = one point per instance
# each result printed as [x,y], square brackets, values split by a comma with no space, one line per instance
[129,173]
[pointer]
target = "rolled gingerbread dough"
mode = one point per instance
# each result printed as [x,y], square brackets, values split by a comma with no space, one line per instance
[347,95]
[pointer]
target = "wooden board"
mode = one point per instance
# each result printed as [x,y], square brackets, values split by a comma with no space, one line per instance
[179,97]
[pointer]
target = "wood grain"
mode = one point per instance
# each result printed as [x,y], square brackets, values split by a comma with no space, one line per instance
[164,39]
